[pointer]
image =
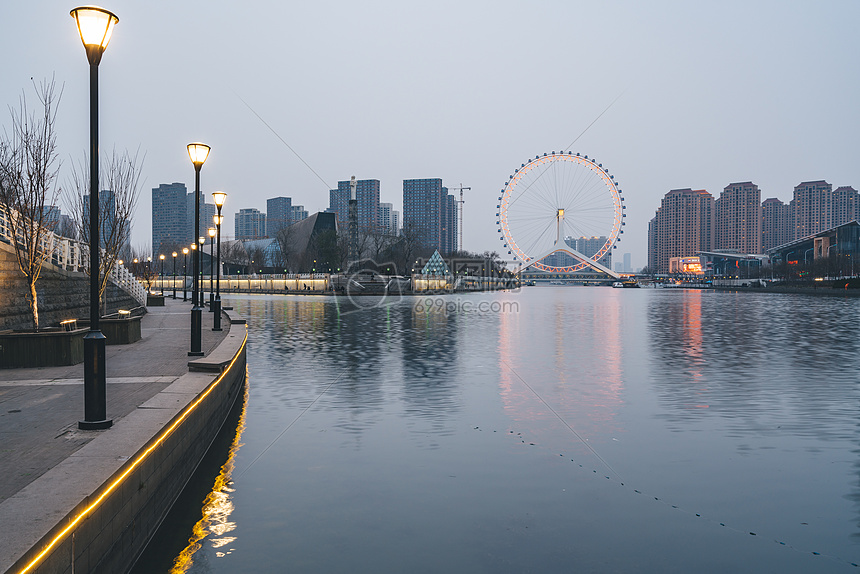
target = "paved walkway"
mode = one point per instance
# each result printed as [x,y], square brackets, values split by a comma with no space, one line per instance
[40,407]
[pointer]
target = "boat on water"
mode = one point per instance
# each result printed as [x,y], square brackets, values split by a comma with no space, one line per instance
[626,284]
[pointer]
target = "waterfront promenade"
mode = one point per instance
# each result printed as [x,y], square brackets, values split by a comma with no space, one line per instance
[40,409]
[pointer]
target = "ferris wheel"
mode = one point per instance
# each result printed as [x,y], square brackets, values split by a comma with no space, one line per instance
[550,202]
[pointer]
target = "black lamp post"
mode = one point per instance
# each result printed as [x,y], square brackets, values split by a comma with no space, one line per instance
[202,284]
[211,232]
[185,274]
[174,254]
[161,257]
[218,197]
[95,26]
[198,152]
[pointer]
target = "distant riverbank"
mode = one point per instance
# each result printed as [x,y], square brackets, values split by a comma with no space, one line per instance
[795,289]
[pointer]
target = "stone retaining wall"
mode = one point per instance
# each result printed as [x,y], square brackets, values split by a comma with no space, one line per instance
[62,295]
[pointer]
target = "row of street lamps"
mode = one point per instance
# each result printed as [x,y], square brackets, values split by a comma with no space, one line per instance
[95,26]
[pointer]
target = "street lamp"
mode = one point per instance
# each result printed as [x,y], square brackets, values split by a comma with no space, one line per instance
[202,241]
[161,257]
[95,25]
[174,275]
[212,233]
[198,152]
[218,197]
[185,274]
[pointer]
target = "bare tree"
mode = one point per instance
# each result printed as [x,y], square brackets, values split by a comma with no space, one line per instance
[408,248]
[256,259]
[234,253]
[120,185]
[28,184]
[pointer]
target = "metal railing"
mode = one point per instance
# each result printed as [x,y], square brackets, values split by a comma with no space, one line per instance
[73,255]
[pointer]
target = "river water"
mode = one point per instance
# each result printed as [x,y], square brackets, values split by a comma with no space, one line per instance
[557,429]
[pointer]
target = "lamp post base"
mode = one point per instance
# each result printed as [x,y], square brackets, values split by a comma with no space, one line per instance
[95,403]
[95,425]
[216,309]
[196,331]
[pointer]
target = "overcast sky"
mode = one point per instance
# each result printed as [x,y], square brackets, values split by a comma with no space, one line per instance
[710,94]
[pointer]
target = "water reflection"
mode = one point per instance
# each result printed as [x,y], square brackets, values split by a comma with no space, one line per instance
[430,360]
[582,377]
[762,361]
[216,523]
[379,436]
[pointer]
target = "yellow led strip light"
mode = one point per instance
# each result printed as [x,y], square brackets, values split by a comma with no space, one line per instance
[135,463]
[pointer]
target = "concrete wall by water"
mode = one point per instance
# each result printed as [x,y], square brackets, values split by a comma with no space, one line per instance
[123,499]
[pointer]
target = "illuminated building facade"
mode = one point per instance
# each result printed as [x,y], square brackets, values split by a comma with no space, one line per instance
[686,265]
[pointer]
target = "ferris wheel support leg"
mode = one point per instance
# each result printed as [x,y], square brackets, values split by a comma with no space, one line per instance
[576,255]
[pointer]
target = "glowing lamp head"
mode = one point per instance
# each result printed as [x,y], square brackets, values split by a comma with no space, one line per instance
[201,240]
[212,231]
[161,256]
[95,25]
[185,251]
[198,152]
[193,247]
[218,197]
[174,254]
[218,220]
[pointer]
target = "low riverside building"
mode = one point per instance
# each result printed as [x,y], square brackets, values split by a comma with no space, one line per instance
[832,252]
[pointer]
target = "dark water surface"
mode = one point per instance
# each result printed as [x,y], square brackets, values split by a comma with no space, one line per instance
[559,429]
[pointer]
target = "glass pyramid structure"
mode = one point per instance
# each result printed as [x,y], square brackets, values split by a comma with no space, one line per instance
[435,266]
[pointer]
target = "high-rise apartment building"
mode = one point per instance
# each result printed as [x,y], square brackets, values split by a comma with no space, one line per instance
[250,224]
[388,217]
[812,208]
[279,214]
[429,214]
[738,218]
[682,227]
[367,195]
[108,221]
[169,212]
[777,223]
[208,211]
[449,223]
[589,246]
[298,213]
[844,206]
[173,216]
[395,222]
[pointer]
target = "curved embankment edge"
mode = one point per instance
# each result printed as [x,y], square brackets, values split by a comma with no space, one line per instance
[101,506]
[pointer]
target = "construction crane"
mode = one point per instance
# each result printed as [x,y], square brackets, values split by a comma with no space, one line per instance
[461,202]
